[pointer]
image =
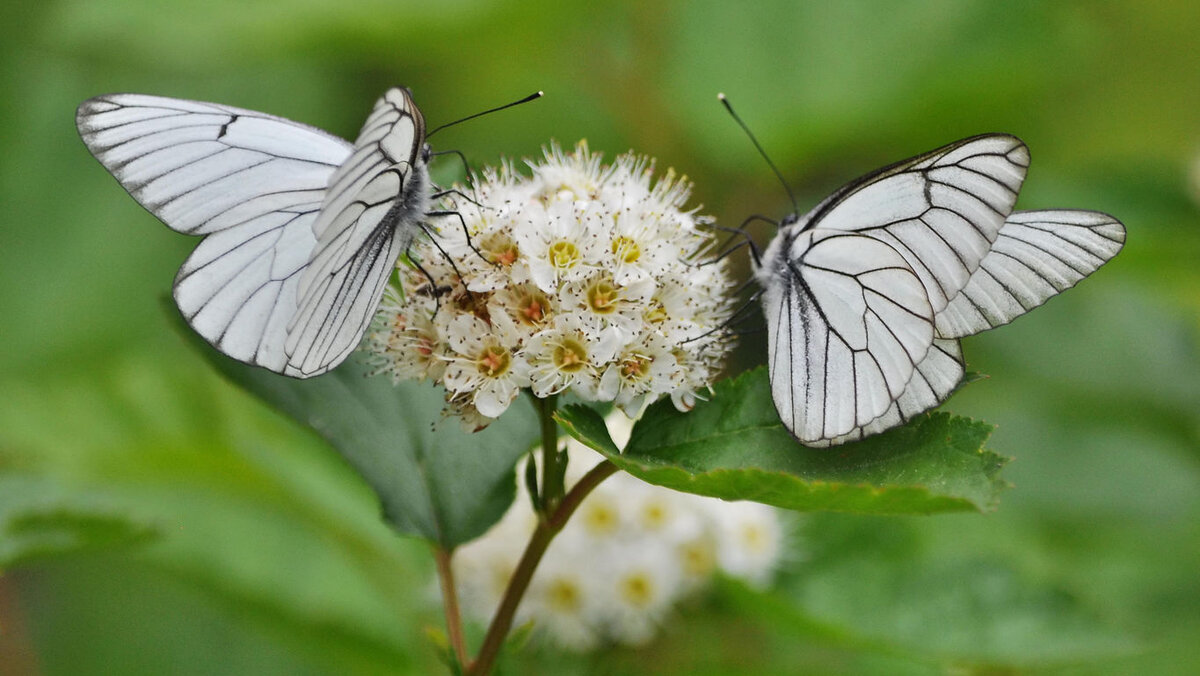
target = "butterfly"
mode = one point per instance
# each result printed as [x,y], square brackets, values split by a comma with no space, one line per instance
[867,295]
[301,228]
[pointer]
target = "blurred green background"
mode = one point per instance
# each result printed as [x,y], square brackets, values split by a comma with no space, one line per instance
[153,519]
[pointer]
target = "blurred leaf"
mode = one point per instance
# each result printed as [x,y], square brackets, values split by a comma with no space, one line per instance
[39,520]
[433,479]
[879,584]
[734,447]
[263,526]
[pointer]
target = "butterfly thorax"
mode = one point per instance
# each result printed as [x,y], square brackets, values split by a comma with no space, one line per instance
[775,259]
[410,206]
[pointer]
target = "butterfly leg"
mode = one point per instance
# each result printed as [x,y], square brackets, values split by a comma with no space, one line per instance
[437,303]
[737,316]
[739,231]
[458,193]
[466,165]
[466,233]
[450,260]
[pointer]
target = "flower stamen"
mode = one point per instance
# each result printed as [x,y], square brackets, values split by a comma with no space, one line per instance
[570,355]
[493,361]
[563,254]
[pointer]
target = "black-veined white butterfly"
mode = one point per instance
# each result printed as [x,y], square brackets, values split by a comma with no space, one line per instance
[301,228]
[866,295]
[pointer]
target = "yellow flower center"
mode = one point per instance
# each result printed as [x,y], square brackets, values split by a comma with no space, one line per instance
[600,518]
[564,595]
[532,308]
[655,313]
[602,297]
[493,361]
[501,250]
[635,367]
[637,589]
[655,515]
[697,557]
[626,250]
[563,254]
[570,355]
[755,539]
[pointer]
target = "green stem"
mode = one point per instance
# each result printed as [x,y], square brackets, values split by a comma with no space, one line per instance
[450,602]
[542,536]
[552,488]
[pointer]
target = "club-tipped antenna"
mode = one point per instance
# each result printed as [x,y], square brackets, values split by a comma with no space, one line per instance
[778,174]
[527,99]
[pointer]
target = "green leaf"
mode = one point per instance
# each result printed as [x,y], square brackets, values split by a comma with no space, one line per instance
[890,585]
[277,541]
[39,519]
[433,479]
[734,447]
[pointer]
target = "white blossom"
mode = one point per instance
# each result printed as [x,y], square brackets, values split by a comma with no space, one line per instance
[623,560]
[578,277]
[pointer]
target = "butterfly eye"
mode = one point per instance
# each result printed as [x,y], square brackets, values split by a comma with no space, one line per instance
[426,153]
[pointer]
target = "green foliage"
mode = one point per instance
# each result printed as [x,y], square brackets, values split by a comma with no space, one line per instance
[189,514]
[887,584]
[733,446]
[435,480]
[41,520]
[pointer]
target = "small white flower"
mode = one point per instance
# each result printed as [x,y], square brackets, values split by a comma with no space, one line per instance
[600,302]
[404,342]
[485,363]
[569,356]
[749,540]
[564,246]
[641,590]
[643,370]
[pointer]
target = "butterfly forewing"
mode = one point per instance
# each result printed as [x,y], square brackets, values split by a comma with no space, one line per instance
[371,212]
[253,183]
[848,321]
[1037,255]
[941,210]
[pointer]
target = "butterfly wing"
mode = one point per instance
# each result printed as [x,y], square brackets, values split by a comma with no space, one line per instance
[252,183]
[1037,255]
[371,212]
[935,379]
[941,210]
[848,320]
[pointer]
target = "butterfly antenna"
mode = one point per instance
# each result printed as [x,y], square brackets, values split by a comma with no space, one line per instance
[778,174]
[527,99]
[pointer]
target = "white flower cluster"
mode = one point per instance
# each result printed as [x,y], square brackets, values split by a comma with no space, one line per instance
[626,556]
[579,277]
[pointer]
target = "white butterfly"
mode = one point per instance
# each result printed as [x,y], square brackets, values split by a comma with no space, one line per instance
[867,295]
[301,229]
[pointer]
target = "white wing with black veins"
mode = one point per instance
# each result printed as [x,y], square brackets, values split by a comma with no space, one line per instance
[372,211]
[251,183]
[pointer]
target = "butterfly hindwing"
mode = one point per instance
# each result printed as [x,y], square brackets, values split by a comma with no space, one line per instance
[848,321]
[935,378]
[1037,255]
